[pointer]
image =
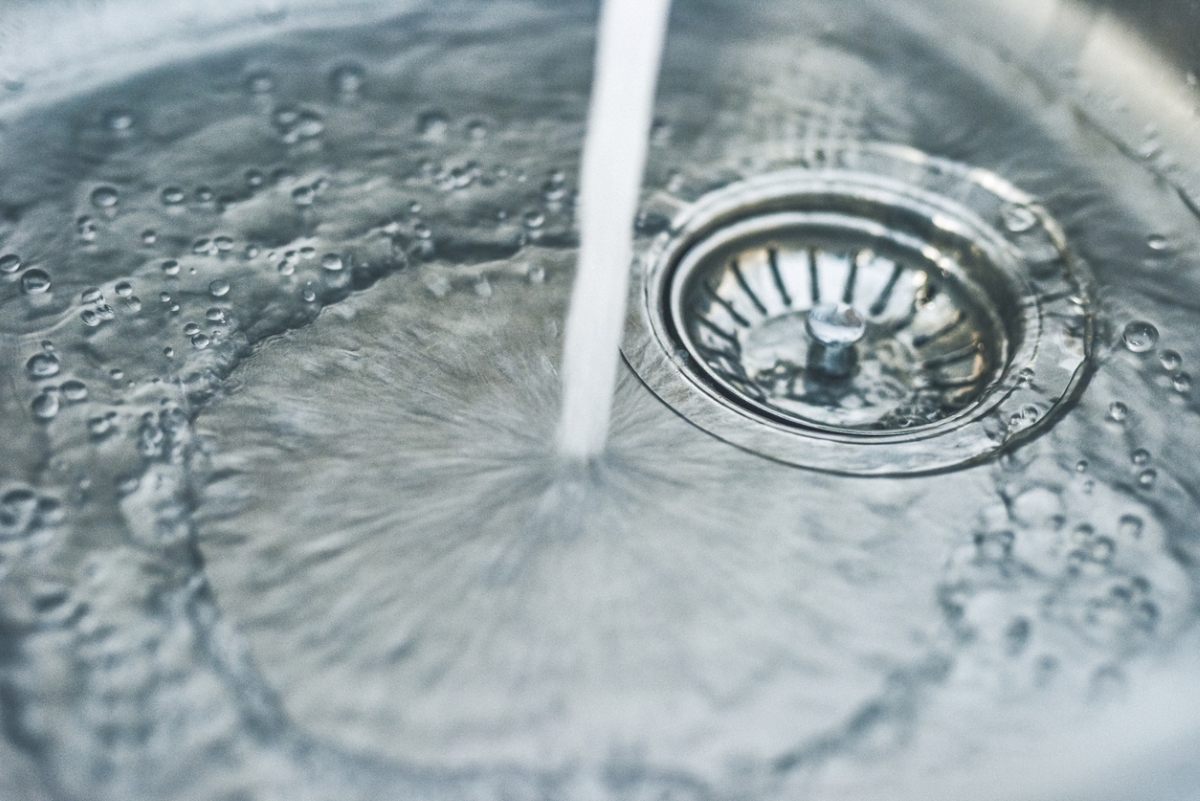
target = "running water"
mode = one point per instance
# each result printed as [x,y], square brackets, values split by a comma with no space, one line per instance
[628,52]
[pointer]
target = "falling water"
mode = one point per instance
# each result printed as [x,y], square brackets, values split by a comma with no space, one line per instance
[628,52]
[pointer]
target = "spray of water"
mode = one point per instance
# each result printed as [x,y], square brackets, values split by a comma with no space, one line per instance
[628,52]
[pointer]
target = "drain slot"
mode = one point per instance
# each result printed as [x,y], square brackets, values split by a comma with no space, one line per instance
[856,318]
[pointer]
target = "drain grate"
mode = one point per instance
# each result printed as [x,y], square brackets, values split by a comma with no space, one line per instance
[884,313]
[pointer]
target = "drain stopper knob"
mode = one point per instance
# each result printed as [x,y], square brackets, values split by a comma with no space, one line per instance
[833,329]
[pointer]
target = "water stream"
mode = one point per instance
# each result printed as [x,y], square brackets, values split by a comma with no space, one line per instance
[283,512]
[628,48]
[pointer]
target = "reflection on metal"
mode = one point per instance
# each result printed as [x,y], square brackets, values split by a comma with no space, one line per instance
[882,313]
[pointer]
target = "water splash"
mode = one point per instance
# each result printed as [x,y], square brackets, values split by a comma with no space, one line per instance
[628,52]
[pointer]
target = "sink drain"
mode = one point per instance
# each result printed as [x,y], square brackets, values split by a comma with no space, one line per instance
[882,313]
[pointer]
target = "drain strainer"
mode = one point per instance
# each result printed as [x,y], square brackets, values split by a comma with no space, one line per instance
[883,313]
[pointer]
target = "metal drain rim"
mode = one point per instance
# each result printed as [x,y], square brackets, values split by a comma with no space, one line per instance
[1052,351]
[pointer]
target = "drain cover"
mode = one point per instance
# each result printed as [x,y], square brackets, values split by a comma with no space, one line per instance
[882,313]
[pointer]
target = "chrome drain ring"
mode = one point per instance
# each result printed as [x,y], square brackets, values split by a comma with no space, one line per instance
[970,322]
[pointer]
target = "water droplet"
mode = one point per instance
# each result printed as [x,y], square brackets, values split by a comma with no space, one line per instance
[170,267]
[119,120]
[298,125]
[332,262]
[414,208]
[10,263]
[477,130]
[347,79]
[1182,383]
[204,247]
[1081,466]
[1130,526]
[124,289]
[215,315]
[1140,336]
[204,194]
[1118,411]
[1140,457]
[1157,242]
[433,125]
[35,282]
[74,391]
[45,406]
[223,244]
[135,303]
[200,341]
[1147,478]
[116,374]
[251,251]
[219,288]
[260,83]
[149,236]
[18,513]
[172,196]
[165,297]
[303,195]
[536,274]
[98,427]
[191,329]
[169,352]
[1171,361]
[1019,219]
[534,219]
[483,288]
[106,197]
[90,318]
[308,295]
[92,294]
[87,229]
[42,365]
[286,267]
[255,178]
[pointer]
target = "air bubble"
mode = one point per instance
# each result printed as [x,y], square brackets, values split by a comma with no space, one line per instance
[332,262]
[1118,411]
[1140,336]
[106,197]
[35,282]
[42,365]
[219,288]
[45,406]
[10,263]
